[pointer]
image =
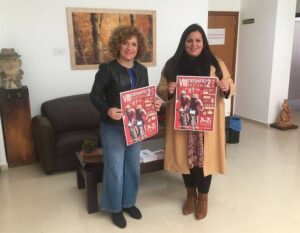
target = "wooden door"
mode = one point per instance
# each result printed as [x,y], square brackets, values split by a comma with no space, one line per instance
[227,50]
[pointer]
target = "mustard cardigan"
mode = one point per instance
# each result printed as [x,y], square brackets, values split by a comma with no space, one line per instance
[214,142]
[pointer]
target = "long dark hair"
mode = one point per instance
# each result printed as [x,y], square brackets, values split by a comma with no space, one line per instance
[205,59]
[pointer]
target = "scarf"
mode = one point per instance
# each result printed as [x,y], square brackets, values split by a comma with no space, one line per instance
[193,66]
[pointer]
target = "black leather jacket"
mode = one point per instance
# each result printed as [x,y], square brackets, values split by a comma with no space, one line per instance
[111,79]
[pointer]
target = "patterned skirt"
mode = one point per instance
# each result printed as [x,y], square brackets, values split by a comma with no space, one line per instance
[195,149]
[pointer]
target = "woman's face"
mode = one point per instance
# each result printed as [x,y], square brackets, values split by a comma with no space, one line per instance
[129,49]
[193,44]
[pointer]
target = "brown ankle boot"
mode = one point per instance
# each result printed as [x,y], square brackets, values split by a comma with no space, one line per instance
[190,202]
[201,207]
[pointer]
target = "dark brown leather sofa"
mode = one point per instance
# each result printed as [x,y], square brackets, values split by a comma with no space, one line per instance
[61,128]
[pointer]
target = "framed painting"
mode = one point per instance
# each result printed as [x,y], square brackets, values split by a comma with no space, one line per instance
[90,29]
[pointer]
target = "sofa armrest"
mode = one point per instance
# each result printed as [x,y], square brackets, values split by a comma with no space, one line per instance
[44,141]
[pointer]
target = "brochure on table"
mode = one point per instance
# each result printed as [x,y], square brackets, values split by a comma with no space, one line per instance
[147,155]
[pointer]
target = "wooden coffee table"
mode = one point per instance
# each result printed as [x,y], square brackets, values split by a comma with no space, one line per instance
[90,172]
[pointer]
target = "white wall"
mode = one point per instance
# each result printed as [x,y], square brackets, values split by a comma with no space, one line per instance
[294,86]
[283,47]
[260,45]
[298,6]
[35,27]
[221,5]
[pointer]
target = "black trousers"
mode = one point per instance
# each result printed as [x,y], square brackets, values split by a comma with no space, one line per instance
[197,179]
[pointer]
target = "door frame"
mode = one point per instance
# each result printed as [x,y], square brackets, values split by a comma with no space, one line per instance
[236,15]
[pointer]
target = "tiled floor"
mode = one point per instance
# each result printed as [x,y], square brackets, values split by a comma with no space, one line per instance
[260,194]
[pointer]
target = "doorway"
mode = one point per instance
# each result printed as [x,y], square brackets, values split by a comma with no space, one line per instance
[225,47]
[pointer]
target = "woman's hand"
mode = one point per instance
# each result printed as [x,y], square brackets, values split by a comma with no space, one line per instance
[223,85]
[172,87]
[157,104]
[115,113]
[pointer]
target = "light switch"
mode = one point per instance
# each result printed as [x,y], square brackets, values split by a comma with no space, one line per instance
[59,51]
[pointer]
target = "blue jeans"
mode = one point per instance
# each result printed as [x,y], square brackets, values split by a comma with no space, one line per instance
[121,169]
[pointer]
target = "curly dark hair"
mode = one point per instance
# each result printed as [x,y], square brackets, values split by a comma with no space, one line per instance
[123,33]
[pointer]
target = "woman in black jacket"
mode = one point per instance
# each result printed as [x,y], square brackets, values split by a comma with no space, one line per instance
[121,163]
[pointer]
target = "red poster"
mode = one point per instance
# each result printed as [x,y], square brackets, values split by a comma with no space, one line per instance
[139,114]
[195,103]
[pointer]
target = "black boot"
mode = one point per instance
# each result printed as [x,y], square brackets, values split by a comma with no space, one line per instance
[118,219]
[133,212]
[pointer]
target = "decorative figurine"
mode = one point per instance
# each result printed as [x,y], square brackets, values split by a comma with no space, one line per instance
[284,120]
[10,69]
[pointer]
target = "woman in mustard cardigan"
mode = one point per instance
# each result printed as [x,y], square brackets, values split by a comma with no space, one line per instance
[193,57]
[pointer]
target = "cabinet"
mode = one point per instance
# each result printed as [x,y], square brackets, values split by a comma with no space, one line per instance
[16,124]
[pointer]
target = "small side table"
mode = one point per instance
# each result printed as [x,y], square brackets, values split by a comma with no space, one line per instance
[89,172]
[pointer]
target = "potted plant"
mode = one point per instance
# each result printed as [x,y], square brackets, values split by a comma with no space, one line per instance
[89,147]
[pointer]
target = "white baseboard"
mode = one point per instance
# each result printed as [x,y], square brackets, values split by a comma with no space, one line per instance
[254,121]
[3,167]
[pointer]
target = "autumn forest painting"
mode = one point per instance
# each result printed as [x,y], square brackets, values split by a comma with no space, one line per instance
[89,31]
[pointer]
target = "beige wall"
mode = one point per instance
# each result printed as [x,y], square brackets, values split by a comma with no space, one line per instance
[221,5]
[298,6]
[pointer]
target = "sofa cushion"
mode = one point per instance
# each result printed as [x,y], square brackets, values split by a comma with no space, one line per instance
[71,113]
[67,143]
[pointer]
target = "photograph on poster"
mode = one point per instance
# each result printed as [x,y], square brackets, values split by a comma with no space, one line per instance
[195,103]
[139,114]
